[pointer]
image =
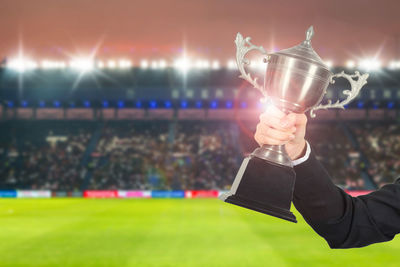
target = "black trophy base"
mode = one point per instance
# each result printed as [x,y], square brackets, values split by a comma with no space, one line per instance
[263,187]
[263,208]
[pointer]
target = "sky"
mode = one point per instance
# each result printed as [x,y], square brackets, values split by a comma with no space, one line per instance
[55,29]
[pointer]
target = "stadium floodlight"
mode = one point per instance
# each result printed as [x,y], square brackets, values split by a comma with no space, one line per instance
[100,64]
[205,64]
[183,64]
[350,64]
[158,64]
[111,64]
[202,64]
[154,65]
[394,65]
[144,64]
[48,64]
[215,65]
[370,64]
[62,65]
[231,64]
[198,64]
[82,64]
[22,64]
[162,64]
[124,64]
[45,64]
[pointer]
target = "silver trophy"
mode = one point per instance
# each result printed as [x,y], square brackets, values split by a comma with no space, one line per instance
[295,81]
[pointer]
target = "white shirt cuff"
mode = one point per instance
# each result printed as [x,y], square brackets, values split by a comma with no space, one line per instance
[304,158]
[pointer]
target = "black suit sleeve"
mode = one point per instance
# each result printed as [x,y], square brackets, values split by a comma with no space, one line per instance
[345,221]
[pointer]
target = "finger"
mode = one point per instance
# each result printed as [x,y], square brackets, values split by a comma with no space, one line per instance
[265,140]
[276,134]
[288,121]
[263,127]
[294,119]
[272,121]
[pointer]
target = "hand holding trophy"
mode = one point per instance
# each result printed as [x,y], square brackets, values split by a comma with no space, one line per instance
[295,81]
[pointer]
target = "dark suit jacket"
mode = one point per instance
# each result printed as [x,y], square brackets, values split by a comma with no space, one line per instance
[345,221]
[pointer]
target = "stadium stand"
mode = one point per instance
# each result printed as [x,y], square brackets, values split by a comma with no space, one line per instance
[174,156]
[112,133]
[168,155]
[44,155]
[381,144]
[337,154]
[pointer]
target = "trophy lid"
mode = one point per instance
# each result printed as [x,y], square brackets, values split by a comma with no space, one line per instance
[304,51]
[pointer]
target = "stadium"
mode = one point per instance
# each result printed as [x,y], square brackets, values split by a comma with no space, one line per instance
[119,160]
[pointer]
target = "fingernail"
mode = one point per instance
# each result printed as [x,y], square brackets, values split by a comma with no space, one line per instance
[292,137]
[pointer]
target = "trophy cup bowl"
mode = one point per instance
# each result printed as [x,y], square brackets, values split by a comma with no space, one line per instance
[295,81]
[294,85]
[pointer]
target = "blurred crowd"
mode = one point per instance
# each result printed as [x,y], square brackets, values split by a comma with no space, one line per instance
[381,144]
[38,158]
[127,156]
[175,156]
[170,155]
[336,153]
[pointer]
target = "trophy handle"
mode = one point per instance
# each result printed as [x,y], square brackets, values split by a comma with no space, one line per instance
[243,46]
[356,80]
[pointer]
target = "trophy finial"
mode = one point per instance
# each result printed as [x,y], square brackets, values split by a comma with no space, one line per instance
[309,35]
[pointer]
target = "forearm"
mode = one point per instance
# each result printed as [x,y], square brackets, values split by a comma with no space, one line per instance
[315,195]
[343,221]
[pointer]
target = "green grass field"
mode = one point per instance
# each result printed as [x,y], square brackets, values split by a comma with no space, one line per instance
[165,232]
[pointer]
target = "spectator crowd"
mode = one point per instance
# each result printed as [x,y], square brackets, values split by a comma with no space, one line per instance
[175,155]
[381,144]
[164,156]
[43,156]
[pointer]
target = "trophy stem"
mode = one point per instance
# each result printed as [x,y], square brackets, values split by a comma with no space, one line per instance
[275,154]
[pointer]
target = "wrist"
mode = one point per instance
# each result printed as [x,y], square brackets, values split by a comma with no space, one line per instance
[297,151]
